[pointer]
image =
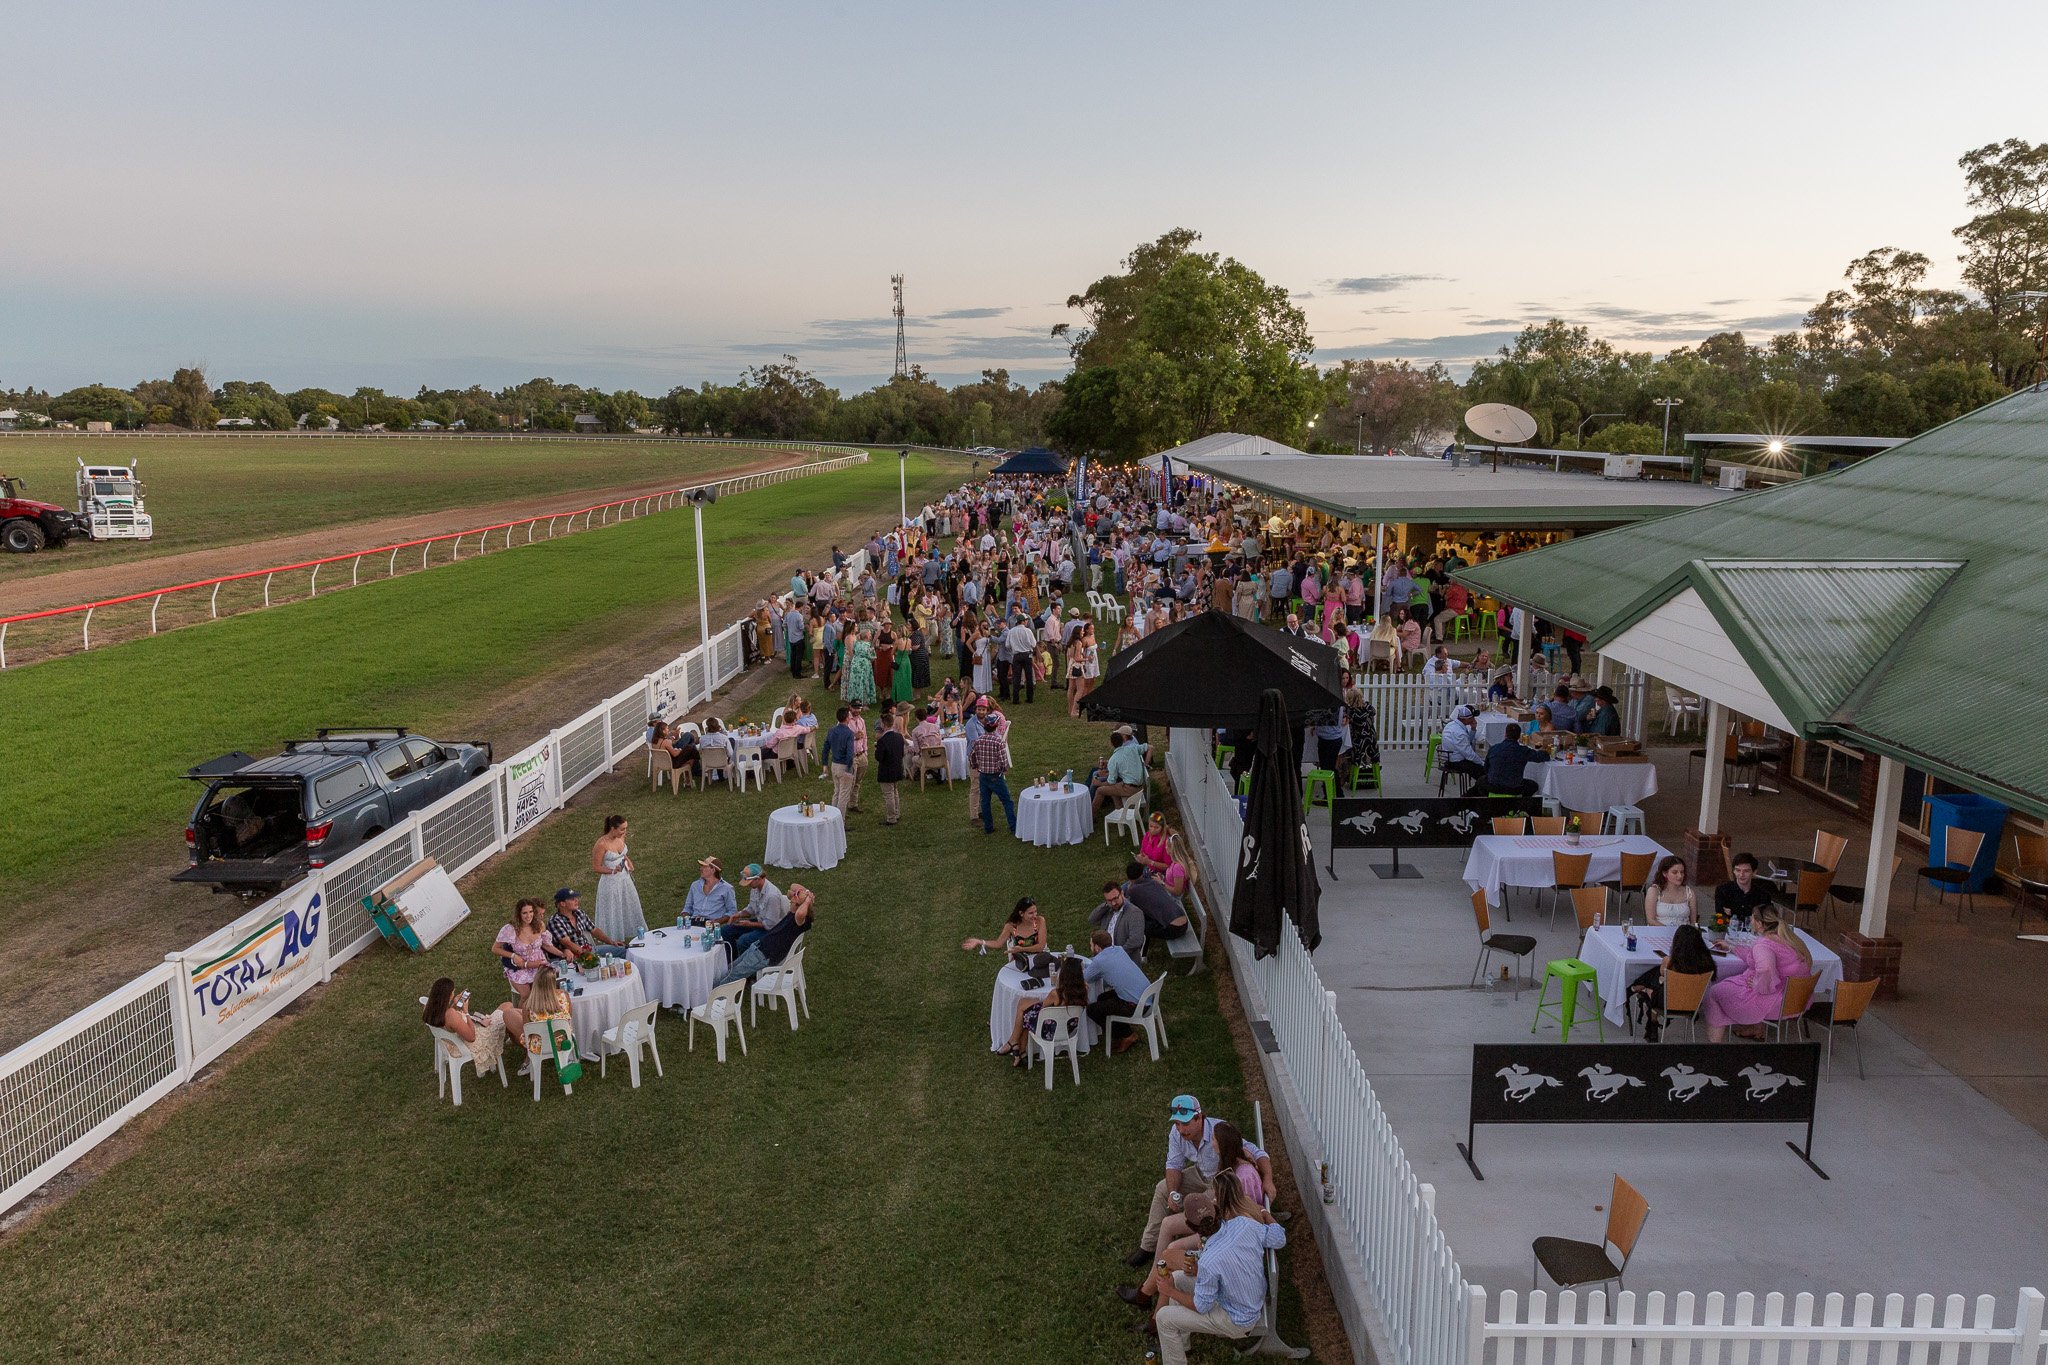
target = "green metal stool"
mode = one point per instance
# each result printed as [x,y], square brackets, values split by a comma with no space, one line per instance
[1244,785]
[1319,778]
[1460,627]
[1570,974]
[1224,753]
[1436,737]
[1368,776]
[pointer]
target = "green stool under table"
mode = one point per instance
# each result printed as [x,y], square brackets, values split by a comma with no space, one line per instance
[1319,778]
[1224,753]
[1570,974]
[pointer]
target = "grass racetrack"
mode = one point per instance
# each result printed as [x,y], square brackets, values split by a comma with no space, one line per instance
[875,1187]
[205,491]
[98,742]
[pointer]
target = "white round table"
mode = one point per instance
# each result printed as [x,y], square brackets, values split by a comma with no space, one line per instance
[600,1006]
[1002,1008]
[956,757]
[1047,816]
[1595,786]
[677,971]
[795,840]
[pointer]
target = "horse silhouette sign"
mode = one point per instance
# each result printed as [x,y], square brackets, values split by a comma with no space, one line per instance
[1417,822]
[1644,1083]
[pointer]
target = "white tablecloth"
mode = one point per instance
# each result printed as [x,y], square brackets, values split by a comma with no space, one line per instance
[1605,951]
[1002,1008]
[677,972]
[956,757]
[1047,816]
[794,841]
[601,1006]
[1493,725]
[1499,860]
[1595,786]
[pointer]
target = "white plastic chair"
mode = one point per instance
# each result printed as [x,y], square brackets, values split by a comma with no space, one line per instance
[1095,604]
[1682,712]
[716,762]
[718,1013]
[1126,815]
[629,1035]
[451,1054]
[781,757]
[775,717]
[748,765]
[782,983]
[1146,1016]
[539,1054]
[1065,1021]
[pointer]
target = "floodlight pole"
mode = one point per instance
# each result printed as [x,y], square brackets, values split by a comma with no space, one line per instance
[1667,404]
[1594,417]
[903,486]
[703,601]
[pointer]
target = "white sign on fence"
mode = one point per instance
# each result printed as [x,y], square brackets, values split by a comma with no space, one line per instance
[672,688]
[531,781]
[251,969]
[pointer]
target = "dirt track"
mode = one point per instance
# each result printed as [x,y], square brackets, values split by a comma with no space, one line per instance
[116,580]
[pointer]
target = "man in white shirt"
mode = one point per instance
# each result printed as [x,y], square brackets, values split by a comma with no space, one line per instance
[1023,643]
[1191,1163]
[1458,750]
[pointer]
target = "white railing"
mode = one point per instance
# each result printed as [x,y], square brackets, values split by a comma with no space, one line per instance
[1430,1313]
[1409,709]
[68,1089]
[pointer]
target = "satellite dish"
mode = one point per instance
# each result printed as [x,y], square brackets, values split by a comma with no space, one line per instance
[1500,423]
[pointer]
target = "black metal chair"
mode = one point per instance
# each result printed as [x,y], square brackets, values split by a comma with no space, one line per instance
[1518,946]
[1959,850]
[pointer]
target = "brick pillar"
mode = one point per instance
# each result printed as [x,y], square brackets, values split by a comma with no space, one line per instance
[1706,859]
[1865,958]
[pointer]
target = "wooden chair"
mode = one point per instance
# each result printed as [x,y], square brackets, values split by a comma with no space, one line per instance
[1567,873]
[1634,875]
[1811,893]
[1518,946]
[1959,850]
[1510,824]
[1589,820]
[1798,997]
[1589,903]
[1685,994]
[1851,897]
[1550,825]
[1852,998]
[1570,1263]
[2029,872]
[1828,849]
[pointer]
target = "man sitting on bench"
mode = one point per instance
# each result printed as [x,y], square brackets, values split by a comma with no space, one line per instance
[1164,917]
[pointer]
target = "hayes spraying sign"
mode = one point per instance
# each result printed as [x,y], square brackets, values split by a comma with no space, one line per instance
[252,968]
[529,788]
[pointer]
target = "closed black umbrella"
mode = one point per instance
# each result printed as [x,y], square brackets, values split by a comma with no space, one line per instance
[1276,871]
[1212,669]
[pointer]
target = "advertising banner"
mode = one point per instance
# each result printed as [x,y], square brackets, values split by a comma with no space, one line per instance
[672,688]
[248,971]
[532,779]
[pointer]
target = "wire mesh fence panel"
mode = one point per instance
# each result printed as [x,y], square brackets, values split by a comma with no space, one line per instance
[727,648]
[582,753]
[349,927]
[464,831]
[693,675]
[63,1092]
[627,717]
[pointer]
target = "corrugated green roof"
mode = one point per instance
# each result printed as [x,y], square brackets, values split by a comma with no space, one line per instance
[1954,688]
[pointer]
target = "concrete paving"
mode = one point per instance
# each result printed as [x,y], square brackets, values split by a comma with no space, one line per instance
[1935,1187]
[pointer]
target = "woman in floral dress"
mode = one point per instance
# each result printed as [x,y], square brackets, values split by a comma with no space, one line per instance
[859,682]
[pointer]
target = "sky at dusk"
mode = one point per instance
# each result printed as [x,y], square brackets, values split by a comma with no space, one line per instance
[641,194]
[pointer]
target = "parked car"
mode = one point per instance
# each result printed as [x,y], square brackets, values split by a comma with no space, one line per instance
[263,823]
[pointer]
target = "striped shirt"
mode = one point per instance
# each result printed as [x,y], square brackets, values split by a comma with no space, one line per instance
[1232,1270]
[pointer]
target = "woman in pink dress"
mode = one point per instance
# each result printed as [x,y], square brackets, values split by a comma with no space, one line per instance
[1757,993]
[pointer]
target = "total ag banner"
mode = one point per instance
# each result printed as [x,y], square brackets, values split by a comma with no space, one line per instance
[248,971]
[533,783]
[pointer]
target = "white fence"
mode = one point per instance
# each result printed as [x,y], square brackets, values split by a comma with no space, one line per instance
[1431,1315]
[69,1088]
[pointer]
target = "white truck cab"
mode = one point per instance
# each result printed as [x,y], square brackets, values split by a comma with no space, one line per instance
[110,502]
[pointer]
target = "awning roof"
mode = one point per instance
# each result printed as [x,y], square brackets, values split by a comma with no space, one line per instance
[1917,580]
[1037,460]
[1397,488]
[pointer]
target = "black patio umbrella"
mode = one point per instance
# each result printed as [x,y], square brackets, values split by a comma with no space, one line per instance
[1212,670]
[1276,868]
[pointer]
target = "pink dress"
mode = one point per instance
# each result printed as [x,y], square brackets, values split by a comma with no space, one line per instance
[1757,994]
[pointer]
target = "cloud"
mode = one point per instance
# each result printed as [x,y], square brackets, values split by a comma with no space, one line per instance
[962,314]
[1378,284]
[1723,303]
[1302,294]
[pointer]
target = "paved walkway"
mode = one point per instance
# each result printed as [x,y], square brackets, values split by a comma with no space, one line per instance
[1935,1187]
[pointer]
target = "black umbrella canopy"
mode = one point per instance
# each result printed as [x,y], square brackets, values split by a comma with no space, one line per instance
[1211,670]
[1276,866]
[1037,460]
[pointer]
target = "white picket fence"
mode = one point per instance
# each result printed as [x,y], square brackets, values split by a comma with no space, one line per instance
[1430,1313]
[71,1087]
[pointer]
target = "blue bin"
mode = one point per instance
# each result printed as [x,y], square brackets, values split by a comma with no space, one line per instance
[1966,810]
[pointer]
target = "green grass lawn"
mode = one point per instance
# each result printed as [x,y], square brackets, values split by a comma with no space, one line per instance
[876,1187]
[97,742]
[207,491]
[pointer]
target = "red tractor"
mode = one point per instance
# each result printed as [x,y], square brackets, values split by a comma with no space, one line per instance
[27,525]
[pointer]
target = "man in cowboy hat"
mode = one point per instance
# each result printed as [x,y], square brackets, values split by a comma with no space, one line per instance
[711,899]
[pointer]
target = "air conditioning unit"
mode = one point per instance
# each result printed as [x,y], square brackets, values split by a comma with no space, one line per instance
[1622,467]
[1734,477]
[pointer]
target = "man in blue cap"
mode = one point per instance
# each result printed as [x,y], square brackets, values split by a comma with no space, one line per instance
[1191,1162]
[574,932]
